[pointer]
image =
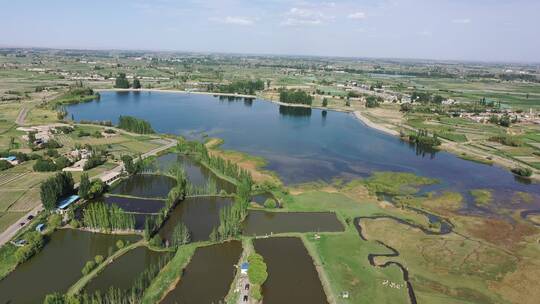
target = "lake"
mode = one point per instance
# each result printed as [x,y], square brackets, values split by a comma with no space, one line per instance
[300,144]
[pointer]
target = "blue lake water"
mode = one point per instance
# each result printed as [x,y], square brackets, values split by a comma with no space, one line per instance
[300,144]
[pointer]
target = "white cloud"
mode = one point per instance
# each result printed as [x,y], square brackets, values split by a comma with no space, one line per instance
[297,22]
[462,21]
[303,16]
[425,33]
[234,20]
[357,15]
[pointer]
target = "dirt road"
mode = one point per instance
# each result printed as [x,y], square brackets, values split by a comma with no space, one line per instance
[22,116]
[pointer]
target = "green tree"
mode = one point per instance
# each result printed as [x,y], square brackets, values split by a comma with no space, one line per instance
[129,166]
[84,186]
[97,187]
[180,235]
[136,125]
[56,187]
[371,101]
[136,83]
[325,102]
[121,81]
[295,97]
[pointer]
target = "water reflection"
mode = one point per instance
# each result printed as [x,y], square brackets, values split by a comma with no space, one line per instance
[300,112]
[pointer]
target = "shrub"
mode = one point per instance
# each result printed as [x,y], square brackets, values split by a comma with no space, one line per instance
[371,101]
[34,243]
[52,152]
[98,259]
[156,241]
[75,223]
[526,172]
[93,161]
[4,165]
[507,140]
[55,220]
[257,272]
[52,144]
[270,203]
[88,267]
[62,162]
[82,133]
[44,165]
[255,292]
[119,244]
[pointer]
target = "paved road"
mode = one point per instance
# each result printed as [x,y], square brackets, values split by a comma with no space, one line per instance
[12,230]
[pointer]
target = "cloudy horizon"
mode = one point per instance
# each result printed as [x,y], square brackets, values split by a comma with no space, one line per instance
[486,30]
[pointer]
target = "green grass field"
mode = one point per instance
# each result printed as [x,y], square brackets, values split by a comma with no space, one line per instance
[7,219]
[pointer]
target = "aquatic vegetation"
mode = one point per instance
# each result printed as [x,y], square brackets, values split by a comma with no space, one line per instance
[396,183]
[482,196]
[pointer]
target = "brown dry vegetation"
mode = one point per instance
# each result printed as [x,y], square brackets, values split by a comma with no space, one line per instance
[510,236]
[454,266]
[249,163]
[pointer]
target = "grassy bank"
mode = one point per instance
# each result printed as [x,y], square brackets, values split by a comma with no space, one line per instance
[170,274]
[82,282]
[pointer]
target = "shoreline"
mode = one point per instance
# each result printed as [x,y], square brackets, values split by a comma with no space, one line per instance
[366,121]
[176,91]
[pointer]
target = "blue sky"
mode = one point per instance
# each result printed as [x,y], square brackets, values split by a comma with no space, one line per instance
[488,30]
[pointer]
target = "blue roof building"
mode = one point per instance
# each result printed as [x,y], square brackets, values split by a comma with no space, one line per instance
[63,204]
[244,268]
[10,158]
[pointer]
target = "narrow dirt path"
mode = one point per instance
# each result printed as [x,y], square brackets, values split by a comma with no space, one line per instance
[22,116]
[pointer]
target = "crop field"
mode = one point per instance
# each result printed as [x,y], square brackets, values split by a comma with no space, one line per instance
[8,218]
